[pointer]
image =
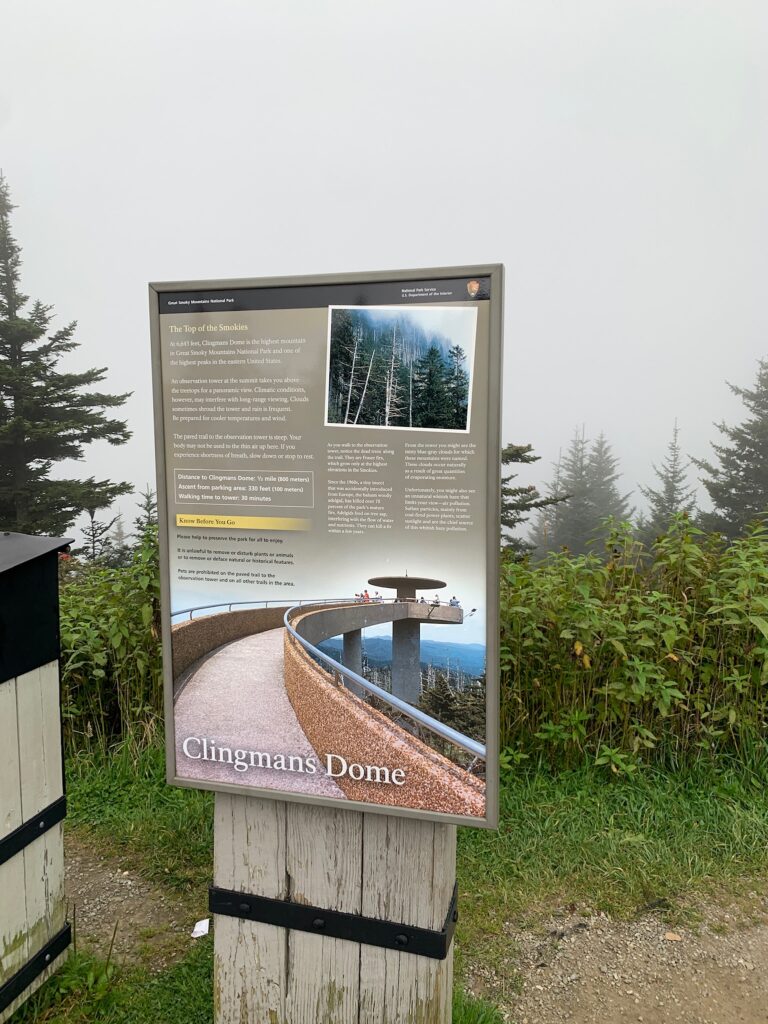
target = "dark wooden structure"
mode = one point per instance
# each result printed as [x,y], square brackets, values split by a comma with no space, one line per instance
[34,936]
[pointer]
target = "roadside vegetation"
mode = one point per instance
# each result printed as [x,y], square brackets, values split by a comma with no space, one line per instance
[582,838]
[634,766]
[643,657]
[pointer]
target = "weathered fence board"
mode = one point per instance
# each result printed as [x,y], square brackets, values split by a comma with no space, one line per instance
[13,910]
[249,856]
[324,863]
[32,907]
[393,868]
[420,859]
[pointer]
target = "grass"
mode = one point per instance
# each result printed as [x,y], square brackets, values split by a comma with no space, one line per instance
[85,991]
[469,1010]
[617,845]
[165,832]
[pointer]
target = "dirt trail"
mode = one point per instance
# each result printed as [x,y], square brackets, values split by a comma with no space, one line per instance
[567,967]
[591,970]
[152,928]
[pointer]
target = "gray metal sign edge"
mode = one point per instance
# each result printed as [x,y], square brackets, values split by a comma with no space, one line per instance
[496,273]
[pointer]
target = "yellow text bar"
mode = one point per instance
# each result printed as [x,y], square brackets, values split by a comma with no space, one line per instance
[242,522]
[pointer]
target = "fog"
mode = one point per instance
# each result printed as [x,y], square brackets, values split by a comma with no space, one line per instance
[612,155]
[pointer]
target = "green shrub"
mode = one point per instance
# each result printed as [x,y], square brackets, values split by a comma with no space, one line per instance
[653,656]
[112,688]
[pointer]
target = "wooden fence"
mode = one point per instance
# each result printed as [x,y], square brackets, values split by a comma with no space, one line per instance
[34,936]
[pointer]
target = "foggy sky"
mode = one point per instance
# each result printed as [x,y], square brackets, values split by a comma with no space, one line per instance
[612,155]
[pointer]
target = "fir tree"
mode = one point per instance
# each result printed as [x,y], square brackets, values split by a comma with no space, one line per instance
[672,496]
[386,370]
[439,699]
[118,552]
[341,368]
[46,416]
[602,484]
[546,526]
[147,517]
[570,525]
[458,387]
[738,486]
[431,402]
[517,503]
[97,542]
[588,475]
[464,711]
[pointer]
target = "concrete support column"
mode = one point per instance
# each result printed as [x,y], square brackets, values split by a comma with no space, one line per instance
[352,650]
[352,658]
[406,660]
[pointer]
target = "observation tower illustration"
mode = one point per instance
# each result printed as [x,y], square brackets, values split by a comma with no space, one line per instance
[406,628]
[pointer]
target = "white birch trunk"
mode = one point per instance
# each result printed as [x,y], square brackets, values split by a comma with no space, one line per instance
[410,394]
[352,376]
[365,387]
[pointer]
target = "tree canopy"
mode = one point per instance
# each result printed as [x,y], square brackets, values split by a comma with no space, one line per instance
[46,415]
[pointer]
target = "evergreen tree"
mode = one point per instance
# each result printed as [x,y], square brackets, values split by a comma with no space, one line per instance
[45,416]
[387,370]
[431,401]
[602,484]
[118,552]
[97,542]
[738,486]
[672,496]
[458,387]
[517,503]
[546,526]
[571,524]
[439,700]
[341,369]
[147,517]
[588,475]
[464,711]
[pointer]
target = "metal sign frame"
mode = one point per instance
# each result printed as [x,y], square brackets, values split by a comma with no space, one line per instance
[491,391]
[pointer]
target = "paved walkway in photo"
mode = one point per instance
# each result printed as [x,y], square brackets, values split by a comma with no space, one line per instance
[235,697]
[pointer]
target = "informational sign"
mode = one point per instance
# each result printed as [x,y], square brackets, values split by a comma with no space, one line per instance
[328,487]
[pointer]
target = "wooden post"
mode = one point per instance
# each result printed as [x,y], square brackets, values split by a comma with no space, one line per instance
[388,867]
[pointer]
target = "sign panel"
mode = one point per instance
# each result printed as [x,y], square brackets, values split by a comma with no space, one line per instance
[328,489]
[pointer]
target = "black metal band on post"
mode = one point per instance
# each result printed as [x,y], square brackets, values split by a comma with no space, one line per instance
[369,931]
[25,834]
[32,969]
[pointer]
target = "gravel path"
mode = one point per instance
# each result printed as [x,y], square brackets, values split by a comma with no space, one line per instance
[106,901]
[569,967]
[235,697]
[592,970]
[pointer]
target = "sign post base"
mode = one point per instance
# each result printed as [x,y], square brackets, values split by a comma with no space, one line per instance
[392,869]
